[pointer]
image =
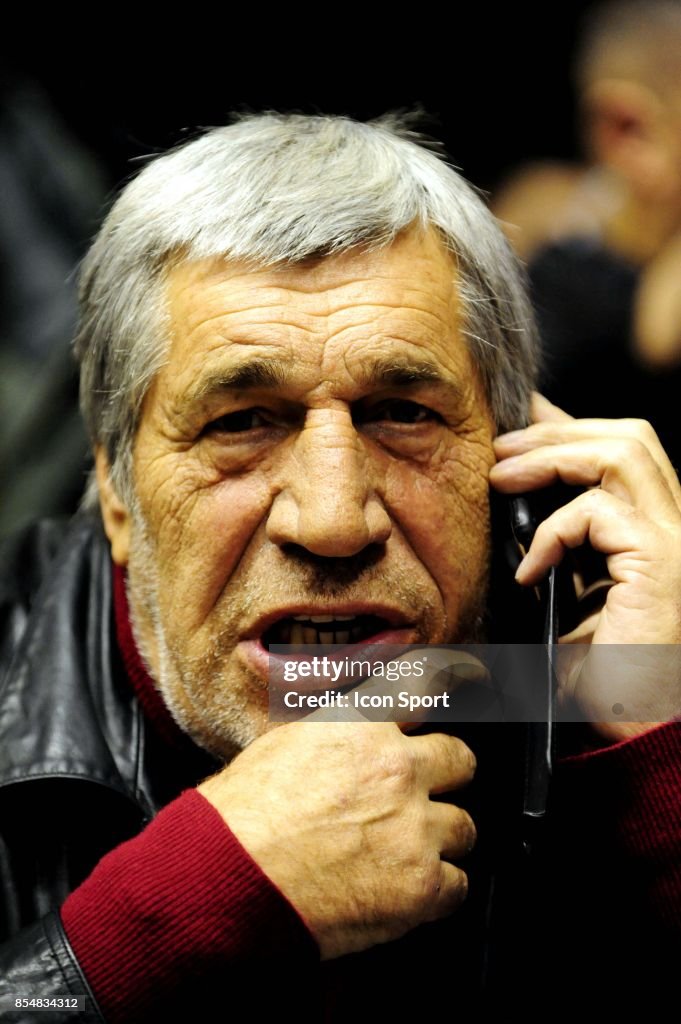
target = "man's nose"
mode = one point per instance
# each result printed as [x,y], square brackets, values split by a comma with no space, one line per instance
[327,502]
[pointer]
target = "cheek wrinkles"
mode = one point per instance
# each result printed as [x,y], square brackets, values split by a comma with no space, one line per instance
[169,486]
[206,538]
[463,468]
[173,505]
[442,511]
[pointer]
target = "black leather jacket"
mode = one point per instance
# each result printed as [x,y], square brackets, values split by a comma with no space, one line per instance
[80,771]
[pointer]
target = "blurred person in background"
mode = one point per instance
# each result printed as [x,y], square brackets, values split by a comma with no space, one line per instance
[602,240]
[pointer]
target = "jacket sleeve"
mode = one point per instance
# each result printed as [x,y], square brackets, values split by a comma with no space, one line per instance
[37,961]
[163,923]
[39,964]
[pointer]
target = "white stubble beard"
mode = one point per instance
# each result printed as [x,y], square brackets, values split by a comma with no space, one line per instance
[231,727]
[227,724]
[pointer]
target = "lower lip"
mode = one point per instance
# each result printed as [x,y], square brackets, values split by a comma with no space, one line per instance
[259,658]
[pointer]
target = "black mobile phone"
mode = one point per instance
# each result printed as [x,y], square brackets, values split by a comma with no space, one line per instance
[519,614]
[538,615]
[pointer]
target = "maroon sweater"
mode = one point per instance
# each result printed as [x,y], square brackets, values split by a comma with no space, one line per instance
[179,898]
[184,895]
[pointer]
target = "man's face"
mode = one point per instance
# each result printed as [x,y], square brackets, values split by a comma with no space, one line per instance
[317,444]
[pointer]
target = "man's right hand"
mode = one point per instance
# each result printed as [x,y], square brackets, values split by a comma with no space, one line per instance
[339,817]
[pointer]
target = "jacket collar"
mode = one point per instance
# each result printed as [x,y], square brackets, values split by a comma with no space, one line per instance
[67,708]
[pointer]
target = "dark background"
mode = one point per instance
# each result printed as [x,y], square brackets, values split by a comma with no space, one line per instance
[82,106]
[497,81]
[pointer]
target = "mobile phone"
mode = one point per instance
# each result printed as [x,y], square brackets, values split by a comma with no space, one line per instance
[538,615]
[519,614]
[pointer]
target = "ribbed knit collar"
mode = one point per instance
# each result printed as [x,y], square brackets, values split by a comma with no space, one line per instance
[141,682]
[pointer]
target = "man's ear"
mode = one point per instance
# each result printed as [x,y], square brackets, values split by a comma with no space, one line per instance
[627,129]
[115,514]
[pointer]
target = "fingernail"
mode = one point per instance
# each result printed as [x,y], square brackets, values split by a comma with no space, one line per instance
[520,571]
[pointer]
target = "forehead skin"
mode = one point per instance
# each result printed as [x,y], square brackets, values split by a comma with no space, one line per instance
[329,317]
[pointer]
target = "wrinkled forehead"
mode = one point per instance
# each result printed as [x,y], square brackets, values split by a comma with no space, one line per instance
[326,318]
[416,265]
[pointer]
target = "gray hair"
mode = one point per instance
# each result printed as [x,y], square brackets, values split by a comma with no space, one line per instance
[281,188]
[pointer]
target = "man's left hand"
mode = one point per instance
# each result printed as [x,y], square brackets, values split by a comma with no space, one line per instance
[631,513]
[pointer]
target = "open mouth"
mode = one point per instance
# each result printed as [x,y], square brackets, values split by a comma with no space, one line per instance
[301,630]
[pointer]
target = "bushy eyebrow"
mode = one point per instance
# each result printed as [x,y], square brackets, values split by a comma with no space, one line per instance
[270,374]
[261,374]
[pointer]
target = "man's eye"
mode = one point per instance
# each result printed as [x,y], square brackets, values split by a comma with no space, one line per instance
[399,410]
[236,422]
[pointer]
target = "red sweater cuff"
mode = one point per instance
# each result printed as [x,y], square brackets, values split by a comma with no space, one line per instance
[631,793]
[174,907]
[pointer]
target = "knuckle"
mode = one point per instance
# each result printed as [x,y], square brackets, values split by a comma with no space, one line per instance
[449,892]
[470,762]
[462,756]
[639,428]
[427,882]
[437,889]
[592,498]
[458,889]
[396,766]
[466,830]
[629,449]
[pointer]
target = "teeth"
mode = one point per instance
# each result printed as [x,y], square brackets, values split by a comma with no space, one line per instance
[310,630]
[296,634]
[324,618]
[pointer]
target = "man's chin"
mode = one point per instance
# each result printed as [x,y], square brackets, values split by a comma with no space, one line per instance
[221,719]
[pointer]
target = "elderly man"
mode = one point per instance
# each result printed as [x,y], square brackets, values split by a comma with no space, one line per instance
[299,339]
